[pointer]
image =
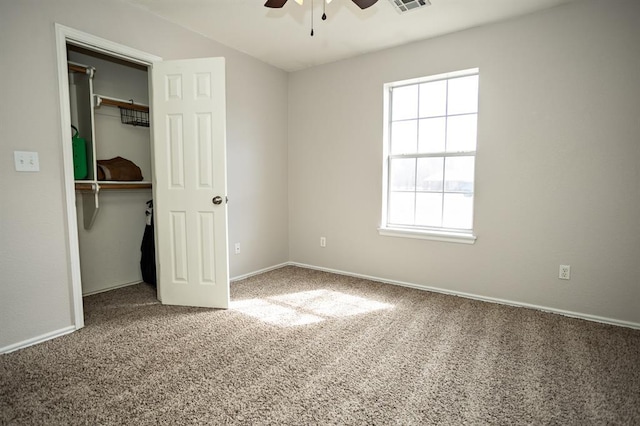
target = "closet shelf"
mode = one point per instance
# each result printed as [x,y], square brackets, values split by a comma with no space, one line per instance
[111,185]
[130,112]
[90,195]
[121,103]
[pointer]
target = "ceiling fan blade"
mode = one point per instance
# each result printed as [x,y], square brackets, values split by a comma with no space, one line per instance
[363,4]
[275,4]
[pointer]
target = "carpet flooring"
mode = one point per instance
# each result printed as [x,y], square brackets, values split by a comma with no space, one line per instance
[303,347]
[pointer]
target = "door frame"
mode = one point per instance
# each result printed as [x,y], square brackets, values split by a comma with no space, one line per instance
[66,35]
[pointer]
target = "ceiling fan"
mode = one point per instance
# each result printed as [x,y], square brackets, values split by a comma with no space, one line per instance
[276,4]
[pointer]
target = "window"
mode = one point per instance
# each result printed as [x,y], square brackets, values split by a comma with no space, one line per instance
[430,148]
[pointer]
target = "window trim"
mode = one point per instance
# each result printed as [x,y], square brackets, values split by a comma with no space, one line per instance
[446,235]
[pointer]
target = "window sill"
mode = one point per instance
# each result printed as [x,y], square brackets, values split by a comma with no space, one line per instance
[449,237]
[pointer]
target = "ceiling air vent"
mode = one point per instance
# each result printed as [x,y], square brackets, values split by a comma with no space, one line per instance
[407,5]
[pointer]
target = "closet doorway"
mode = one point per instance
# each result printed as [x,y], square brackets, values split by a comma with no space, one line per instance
[109,107]
[181,156]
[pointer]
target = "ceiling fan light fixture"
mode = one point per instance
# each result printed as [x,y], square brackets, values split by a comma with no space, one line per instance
[362,4]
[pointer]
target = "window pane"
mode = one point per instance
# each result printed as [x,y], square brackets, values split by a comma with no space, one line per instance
[458,174]
[431,135]
[404,137]
[402,207]
[463,95]
[403,174]
[458,211]
[404,102]
[435,120]
[462,133]
[433,99]
[430,174]
[429,209]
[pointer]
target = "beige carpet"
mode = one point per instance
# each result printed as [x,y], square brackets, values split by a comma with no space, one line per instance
[305,347]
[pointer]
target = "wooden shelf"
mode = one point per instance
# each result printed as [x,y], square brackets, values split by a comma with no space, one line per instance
[77,68]
[84,186]
[90,190]
[122,185]
[111,185]
[104,100]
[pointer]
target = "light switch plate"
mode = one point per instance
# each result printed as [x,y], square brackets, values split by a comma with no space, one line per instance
[26,161]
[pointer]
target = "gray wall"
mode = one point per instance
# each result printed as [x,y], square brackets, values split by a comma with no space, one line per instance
[35,296]
[557,166]
[557,173]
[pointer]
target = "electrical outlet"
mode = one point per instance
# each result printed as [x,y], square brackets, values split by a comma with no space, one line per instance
[565,272]
[323,242]
[237,247]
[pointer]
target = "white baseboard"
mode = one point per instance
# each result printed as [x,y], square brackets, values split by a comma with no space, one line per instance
[113,287]
[261,271]
[37,339]
[588,317]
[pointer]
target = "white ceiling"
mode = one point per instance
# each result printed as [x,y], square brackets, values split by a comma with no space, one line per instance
[281,37]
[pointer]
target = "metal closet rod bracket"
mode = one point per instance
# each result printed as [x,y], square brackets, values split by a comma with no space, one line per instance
[81,68]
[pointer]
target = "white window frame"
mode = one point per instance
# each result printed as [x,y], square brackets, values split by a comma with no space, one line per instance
[429,233]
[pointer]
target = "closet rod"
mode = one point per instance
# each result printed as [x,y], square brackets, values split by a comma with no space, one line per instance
[81,68]
[105,100]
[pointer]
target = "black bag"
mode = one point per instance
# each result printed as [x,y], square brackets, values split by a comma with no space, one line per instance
[148,249]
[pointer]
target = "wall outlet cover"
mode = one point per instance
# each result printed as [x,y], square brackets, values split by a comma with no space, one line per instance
[26,161]
[565,272]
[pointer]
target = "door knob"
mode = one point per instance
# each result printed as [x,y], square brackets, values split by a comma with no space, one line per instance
[217,200]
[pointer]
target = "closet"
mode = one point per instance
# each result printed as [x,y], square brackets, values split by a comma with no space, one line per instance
[109,108]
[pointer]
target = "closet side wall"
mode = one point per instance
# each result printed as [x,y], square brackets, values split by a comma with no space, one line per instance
[110,250]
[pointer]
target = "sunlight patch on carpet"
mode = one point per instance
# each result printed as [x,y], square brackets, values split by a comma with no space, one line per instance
[273,313]
[307,307]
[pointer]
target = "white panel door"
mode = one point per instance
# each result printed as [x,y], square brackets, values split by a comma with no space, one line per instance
[190,209]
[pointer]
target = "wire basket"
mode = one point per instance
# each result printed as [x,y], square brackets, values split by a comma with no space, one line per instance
[134,117]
